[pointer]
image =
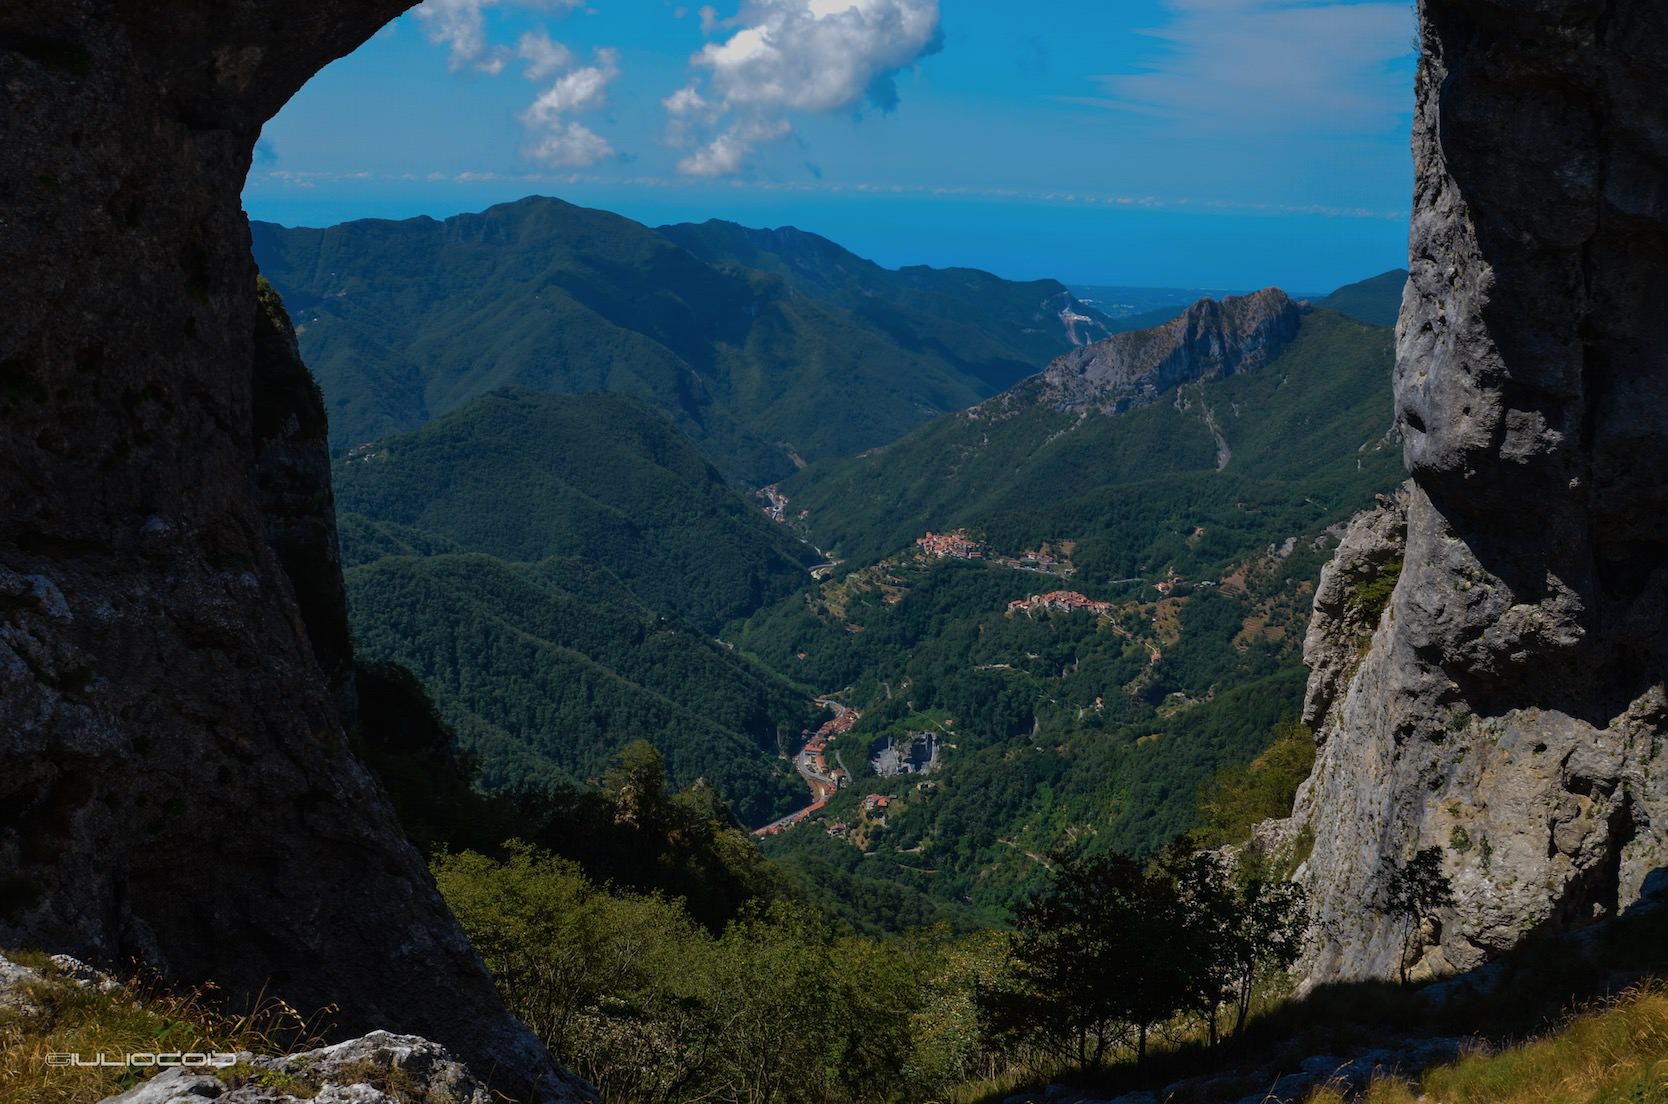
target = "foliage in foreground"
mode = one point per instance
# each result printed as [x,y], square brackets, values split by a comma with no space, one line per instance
[646,1004]
[782,1005]
[1111,950]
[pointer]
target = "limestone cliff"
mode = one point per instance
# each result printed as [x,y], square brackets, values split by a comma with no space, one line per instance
[175,782]
[1210,340]
[1507,704]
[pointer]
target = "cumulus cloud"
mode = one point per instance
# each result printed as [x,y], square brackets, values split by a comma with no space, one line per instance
[794,55]
[553,137]
[542,55]
[557,139]
[570,143]
[460,25]
[1273,64]
[726,153]
[576,90]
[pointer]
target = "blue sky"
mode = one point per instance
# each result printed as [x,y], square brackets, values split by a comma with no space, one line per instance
[1208,143]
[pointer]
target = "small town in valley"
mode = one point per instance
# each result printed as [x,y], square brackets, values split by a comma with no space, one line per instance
[1059,601]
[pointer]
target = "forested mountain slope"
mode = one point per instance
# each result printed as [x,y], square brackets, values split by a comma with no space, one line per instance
[522,475]
[1113,607]
[1304,434]
[475,548]
[404,321]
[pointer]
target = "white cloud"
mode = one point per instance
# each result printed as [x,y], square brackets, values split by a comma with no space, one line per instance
[726,153]
[576,90]
[796,55]
[460,25]
[558,140]
[552,136]
[570,144]
[1273,65]
[542,55]
[685,101]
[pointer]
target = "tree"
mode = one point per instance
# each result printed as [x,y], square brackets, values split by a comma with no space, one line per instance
[636,780]
[1266,938]
[1097,958]
[1232,930]
[1412,891]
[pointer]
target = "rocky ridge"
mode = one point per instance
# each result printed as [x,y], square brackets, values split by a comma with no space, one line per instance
[1210,340]
[1507,702]
[176,782]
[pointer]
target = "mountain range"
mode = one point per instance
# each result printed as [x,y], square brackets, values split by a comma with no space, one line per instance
[1113,607]
[768,348]
[1251,399]
[552,566]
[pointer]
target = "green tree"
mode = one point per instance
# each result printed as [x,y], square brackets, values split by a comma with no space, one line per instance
[1411,891]
[1265,938]
[1095,960]
[636,781]
[1233,930]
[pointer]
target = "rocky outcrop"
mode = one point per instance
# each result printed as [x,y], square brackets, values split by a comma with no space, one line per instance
[175,781]
[1210,340]
[1509,703]
[380,1068]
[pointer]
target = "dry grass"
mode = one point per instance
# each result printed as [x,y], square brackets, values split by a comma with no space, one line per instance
[1596,1056]
[140,1016]
[1616,1053]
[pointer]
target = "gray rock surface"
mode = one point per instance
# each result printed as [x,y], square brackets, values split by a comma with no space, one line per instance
[379,1068]
[1510,706]
[175,781]
[1210,340]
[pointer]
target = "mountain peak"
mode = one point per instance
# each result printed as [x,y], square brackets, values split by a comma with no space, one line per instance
[1210,340]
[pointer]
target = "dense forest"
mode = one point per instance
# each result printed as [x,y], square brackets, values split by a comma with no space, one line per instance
[760,356]
[625,652]
[552,566]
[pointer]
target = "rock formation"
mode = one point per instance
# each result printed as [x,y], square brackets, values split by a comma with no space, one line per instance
[1507,705]
[175,781]
[1208,341]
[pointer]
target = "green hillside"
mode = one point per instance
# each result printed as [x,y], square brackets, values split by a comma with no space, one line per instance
[1376,301]
[1193,528]
[1306,438]
[1091,730]
[474,549]
[404,321]
[1001,330]
[521,476]
[545,670]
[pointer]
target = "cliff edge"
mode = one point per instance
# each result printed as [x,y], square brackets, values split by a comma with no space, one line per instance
[175,780]
[1506,701]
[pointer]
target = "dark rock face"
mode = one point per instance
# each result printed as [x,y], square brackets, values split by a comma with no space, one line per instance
[175,784]
[1510,707]
[1210,340]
